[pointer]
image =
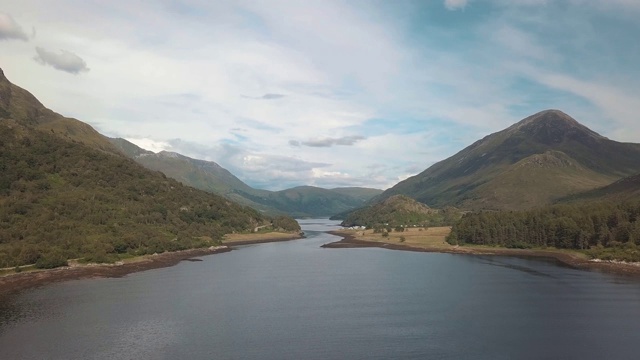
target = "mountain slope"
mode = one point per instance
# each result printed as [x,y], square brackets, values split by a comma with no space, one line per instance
[542,158]
[313,201]
[204,175]
[304,201]
[20,105]
[71,194]
[622,190]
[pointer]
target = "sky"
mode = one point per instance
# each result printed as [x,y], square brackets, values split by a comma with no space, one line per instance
[325,93]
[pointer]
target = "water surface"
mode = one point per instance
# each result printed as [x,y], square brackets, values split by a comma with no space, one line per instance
[295,300]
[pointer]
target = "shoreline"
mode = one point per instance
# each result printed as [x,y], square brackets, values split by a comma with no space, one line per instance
[16,282]
[350,242]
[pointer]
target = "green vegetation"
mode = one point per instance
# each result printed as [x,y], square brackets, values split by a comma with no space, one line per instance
[284,223]
[67,193]
[400,211]
[69,200]
[606,230]
[621,190]
[533,163]
[304,201]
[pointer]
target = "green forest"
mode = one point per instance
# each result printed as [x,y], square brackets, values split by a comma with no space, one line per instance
[604,230]
[61,199]
[399,210]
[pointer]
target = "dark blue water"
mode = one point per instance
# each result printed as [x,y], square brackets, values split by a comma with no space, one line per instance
[294,300]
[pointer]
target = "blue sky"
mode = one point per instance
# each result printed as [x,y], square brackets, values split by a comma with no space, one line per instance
[325,93]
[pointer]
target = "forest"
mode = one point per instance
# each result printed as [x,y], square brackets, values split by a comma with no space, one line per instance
[61,199]
[604,230]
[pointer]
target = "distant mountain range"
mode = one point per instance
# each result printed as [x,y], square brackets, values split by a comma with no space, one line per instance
[303,201]
[538,161]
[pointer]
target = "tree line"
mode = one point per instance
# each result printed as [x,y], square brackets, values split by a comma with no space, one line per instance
[606,230]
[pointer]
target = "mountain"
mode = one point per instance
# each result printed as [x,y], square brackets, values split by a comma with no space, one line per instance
[20,105]
[545,157]
[200,174]
[400,210]
[304,201]
[67,192]
[624,189]
[314,201]
[359,193]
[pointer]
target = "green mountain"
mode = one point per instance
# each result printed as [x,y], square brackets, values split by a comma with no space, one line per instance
[543,158]
[18,104]
[304,201]
[359,193]
[314,201]
[400,210]
[67,192]
[622,190]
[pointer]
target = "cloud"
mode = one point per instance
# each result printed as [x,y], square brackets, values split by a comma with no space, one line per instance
[455,4]
[312,72]
[150,144]
[265,97]
[329,142]
[63,61]
[10,29]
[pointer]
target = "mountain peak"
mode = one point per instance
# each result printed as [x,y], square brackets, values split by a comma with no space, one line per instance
[535,161]
[551,115]
[553,126]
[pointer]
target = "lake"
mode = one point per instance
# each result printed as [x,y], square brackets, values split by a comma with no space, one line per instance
[295,300]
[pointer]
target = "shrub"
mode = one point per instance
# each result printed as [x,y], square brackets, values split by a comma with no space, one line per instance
[51,260]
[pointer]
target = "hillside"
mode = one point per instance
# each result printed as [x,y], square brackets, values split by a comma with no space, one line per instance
[200,174]
[622,190]
[310,201]
[21,106]
[66,192]
[304,201]
[400,210]
[535,162]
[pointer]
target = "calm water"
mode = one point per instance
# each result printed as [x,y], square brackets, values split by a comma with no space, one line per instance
[294,300]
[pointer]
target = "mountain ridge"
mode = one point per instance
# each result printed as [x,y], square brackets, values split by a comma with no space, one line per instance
[466,179]
[300,201]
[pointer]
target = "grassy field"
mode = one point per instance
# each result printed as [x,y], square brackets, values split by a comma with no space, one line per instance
[233,238]
[432,237]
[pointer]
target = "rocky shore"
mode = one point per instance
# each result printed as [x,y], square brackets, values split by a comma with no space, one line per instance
[15,282]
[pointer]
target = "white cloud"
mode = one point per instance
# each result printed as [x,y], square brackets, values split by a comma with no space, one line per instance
[329,142]
[64,60]
[455,4]
[615,103]
[10,29]
[242,81]
[150,144]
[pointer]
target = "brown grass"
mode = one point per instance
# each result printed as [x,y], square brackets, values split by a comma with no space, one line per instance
[234,238]
[432,237]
